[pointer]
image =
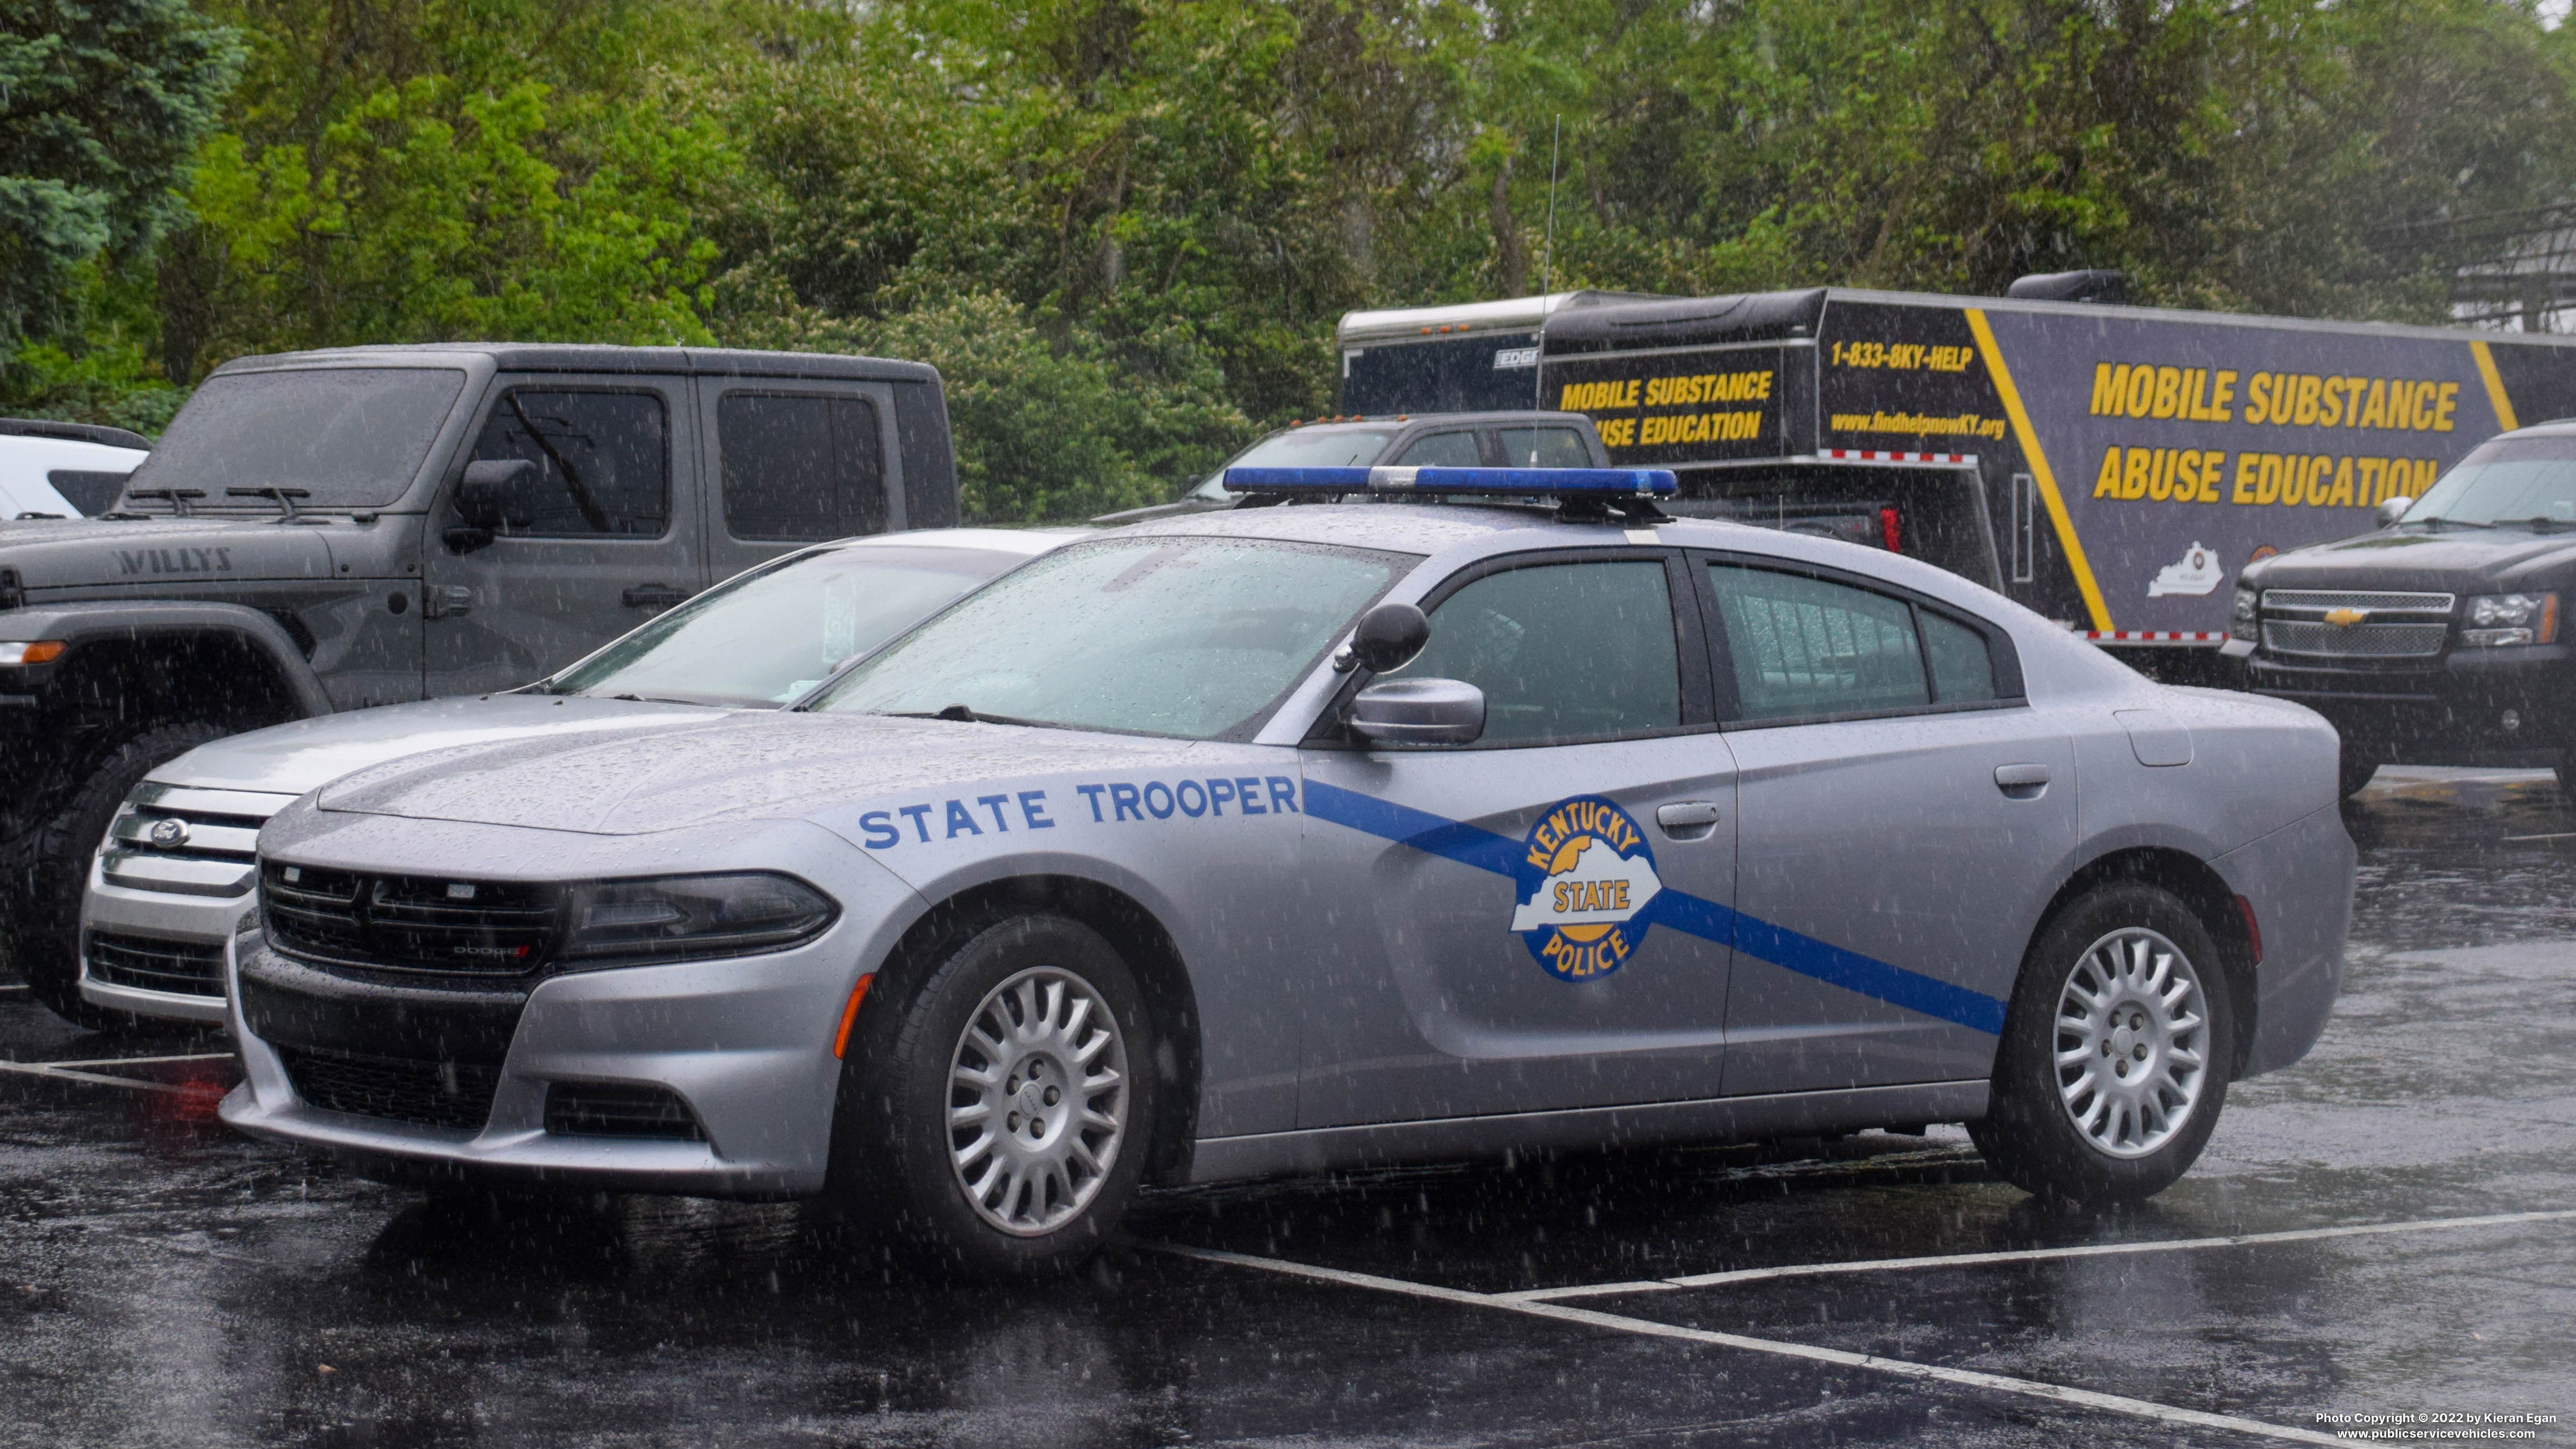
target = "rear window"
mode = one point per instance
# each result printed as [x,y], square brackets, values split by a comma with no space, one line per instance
[800,467]
[349,437]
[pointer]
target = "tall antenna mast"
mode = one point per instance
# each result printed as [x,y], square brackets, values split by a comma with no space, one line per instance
[1547,254]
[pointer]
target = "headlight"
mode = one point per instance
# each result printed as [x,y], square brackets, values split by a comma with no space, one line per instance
[680,917]
[2501,619]
[2244,625]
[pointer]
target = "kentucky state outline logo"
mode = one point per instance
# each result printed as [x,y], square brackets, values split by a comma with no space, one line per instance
[1585,879]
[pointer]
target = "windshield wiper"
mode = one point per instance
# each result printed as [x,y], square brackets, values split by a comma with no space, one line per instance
[963,715]
[2449,522]
[178,497]
[2541,525]
[285,497]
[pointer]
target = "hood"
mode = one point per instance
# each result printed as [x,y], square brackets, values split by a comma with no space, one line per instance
[86,553]
[290,759]
[2459,561]
[763,766]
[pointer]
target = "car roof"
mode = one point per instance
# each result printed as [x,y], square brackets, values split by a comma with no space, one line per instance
[595,357]
[1027,542]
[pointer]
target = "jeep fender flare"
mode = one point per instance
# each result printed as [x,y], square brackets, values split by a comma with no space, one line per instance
[83,625]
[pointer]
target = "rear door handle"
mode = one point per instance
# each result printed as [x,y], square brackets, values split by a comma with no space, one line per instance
[2022,782]
[1687,819]
[654,596]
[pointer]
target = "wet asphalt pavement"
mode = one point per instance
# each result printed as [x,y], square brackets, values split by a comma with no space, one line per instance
[163,1282]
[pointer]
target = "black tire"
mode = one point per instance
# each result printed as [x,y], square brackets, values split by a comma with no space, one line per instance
[2030,1134]
[52,872]
[2353,772]
[893,1173]
[2563,768]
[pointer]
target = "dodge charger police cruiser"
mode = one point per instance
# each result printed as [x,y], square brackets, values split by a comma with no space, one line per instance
[175,869]
[1317,834]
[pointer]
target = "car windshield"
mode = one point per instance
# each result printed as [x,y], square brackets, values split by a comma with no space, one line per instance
[765,637]
[349,437]
[1190,637]
[2520,480]
[1301,448]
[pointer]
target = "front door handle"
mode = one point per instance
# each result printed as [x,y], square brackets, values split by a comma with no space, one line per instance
[2022,782]
[654,596]
[1687,819]
[438,601]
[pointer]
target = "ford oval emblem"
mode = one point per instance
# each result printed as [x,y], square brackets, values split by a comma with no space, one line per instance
[169,834]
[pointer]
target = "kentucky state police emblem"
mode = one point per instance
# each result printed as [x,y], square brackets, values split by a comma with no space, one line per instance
[1586,877]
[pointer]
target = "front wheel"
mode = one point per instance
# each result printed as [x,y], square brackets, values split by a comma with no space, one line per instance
[994,1119]
[43,933]
[2116,1049]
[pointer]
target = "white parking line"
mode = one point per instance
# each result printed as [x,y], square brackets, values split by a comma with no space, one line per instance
[95,1079]
[1842,1358]
[12,988]
[139,1061]
[2024,1255]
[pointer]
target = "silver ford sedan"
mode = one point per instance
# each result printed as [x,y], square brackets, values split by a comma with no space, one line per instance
[1297,837]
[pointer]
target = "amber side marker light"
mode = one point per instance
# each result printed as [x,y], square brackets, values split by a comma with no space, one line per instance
[44,651]
[850,1014]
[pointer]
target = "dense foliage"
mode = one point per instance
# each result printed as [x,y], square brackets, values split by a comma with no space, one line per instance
[1124,228]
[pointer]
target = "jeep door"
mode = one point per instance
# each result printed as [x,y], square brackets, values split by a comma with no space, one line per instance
[1534,921]
[796,461]
[609,537]
[1902,811]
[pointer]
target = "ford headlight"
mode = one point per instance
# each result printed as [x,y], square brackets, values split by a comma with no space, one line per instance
[2243,628]
[690,916]
[2501,619]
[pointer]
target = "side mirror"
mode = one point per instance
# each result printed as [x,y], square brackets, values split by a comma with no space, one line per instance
[2394,509]
[1386,637]
[493,493]
[1419,712]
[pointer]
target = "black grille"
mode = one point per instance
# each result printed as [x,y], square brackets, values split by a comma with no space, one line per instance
[145,964]
[593,1109]
[411,923]
[427,1094]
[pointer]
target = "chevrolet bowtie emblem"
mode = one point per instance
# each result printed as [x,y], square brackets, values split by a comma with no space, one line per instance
[2346,618]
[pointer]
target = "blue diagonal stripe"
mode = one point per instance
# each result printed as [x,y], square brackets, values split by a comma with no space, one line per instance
[1678,910]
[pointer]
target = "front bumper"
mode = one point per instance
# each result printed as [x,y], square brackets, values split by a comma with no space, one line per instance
[2453,710]
[745,1043]
[154,921]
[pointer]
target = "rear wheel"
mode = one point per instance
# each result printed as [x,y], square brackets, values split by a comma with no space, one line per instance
[2114,1062]
[53,873]
[993,1120]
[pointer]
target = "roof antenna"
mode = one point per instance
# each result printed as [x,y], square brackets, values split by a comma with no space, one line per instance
[1547,260]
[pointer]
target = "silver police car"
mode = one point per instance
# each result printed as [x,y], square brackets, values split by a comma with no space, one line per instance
[1298,837]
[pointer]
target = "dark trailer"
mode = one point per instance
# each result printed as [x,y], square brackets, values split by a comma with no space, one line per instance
[1475,357]
[2112,467]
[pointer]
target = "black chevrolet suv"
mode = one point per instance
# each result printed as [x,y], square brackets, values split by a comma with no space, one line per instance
[2438,639]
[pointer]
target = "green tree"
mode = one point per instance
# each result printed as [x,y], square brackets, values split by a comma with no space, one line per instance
[101,104]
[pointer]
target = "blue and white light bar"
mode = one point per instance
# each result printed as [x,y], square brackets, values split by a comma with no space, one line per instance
[1514,482]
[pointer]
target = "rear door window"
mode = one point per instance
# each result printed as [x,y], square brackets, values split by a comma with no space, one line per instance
[1443,450]
[603,460]
[1544,448]
[1803,647]
[800,467]
[1806,646]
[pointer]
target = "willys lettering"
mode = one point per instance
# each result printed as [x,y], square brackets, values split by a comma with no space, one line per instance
[166,561]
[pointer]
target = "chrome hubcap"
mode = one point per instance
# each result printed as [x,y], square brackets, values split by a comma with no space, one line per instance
[2132,1042]
[1037,1101]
